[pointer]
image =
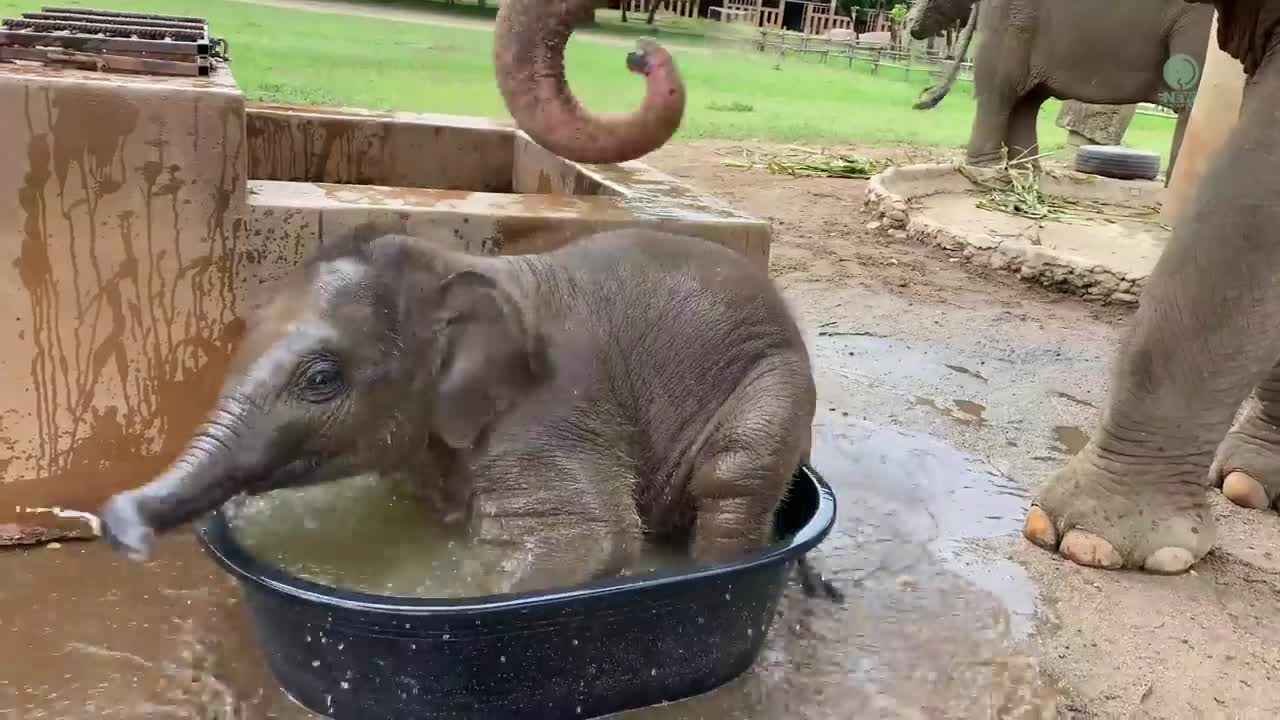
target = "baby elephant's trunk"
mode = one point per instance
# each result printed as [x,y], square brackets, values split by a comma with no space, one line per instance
[206,474]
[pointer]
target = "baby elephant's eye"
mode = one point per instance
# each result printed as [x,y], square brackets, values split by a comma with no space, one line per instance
[321,383]
[322,378]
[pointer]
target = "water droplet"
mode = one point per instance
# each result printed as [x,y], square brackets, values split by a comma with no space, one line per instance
[502,658]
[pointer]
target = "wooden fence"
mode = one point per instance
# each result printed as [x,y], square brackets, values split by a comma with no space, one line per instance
[818,20]
[876,54]
[679,8]
[819,17]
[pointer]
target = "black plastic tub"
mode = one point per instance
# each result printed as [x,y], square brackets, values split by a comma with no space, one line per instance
[584,651]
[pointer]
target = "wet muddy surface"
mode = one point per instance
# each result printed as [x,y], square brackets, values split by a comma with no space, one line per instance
[946,397]
[928,604]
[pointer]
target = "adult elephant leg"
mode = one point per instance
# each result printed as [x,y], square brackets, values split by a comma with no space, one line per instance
[1247,466]
[990,126]
[1178,130]
[1022,138]
[1000,68]
[1190,39]
[1203,337]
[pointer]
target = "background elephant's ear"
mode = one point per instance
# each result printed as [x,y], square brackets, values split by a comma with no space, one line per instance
[490,358]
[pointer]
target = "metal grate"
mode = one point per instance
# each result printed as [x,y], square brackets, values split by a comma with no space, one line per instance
[110,40]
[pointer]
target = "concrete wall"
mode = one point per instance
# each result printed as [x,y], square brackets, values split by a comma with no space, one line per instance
[357,147]
[124,208]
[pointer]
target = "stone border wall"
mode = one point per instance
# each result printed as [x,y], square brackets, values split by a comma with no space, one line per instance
[889,195]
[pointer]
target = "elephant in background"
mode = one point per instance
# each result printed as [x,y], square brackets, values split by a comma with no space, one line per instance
[1204,341]
[1107,52]
[529,42]
[560,406]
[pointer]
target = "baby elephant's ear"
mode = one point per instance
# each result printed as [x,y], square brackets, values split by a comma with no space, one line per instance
[490,357]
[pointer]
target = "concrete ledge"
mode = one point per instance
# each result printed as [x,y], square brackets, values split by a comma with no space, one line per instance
[471,182]
[1104,261]
[301,216]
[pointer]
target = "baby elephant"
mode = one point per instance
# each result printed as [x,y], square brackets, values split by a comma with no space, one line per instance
[562,405]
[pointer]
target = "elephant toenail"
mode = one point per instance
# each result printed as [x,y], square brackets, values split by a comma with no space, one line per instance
[1240,488]
[1169,561]
[1038,528]
[1084,548]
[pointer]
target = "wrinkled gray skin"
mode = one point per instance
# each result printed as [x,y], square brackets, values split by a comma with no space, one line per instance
[562,405]
[1107,52]
[1204,339]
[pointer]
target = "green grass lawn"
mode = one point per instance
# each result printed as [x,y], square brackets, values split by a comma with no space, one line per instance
[304,57]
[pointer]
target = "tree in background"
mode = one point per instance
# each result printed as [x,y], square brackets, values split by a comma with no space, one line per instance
[896,16]
[850,7]
[652,8]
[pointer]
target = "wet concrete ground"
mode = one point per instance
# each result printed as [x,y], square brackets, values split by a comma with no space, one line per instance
[926,420]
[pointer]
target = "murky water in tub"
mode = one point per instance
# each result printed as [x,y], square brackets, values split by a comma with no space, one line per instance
[371,535]
[360,533]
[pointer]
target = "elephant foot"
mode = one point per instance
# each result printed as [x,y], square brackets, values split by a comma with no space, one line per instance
[996,160]
[1097,519]
[1247,465]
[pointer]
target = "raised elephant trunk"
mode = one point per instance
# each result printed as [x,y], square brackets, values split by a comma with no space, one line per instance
[932,96]
[529,44]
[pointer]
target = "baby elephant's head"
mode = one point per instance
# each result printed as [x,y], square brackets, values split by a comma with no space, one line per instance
[364,358]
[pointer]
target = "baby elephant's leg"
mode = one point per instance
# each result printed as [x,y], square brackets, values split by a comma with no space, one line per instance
[579,524]
[760,435]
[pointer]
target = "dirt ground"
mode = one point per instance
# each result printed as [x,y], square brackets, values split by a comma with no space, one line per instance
[1200,645]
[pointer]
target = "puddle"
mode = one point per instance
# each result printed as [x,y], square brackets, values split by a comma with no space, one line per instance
[965,371]
[966,412]
[939,497]
[107,638]
[1072,398]
[1070,439]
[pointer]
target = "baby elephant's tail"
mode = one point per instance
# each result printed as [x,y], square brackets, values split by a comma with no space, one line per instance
[814,584]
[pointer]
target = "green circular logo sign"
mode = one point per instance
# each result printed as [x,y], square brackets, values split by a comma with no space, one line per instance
[1181,72]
